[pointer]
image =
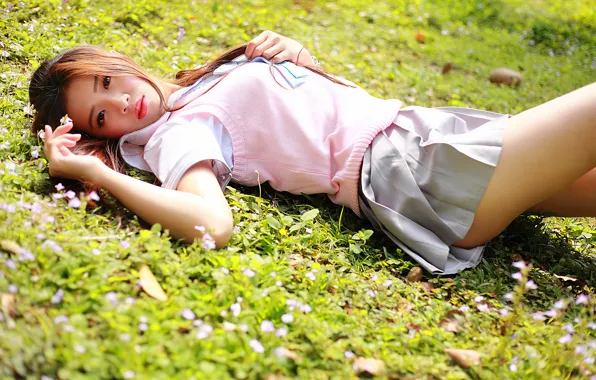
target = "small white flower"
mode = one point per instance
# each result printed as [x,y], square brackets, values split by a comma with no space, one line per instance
[464,308]
[143,319]
[278,283]
[267,326]
[287,318]
[483,307]
[569,328]
[513,365]
[225,270]
[310,275]
[93,196]
[59,187]
[538,316]
[235,309]
[580,349]
[227,326]
[249,272]
[550,313]
[272,274]
[35,154]
[125,337]
[69,194]
[243,327]
[590,361]
[282,331]
[129,375]
[256,346]
[592,325]
[95,252]
[520,264]
[565,339]
[349,354]
[143,327]
[387,283]
[80,348]
[560,304]
[188,314]
[504,312]
[531,285]
[74,203]
[518,276]
[308,230]
[61,319]
[280,352]
[582,299]
[305,309]
[479,299]
[204,331]
[223,313]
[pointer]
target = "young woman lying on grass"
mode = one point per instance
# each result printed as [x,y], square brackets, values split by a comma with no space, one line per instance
[439,182]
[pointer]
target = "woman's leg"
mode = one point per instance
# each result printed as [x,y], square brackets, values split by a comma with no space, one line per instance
[578,199]
[545,150]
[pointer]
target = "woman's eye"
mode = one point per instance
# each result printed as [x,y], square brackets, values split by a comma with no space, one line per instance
[106,82]
[100,118]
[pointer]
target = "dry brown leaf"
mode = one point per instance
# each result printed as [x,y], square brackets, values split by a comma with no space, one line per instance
[505,76]
[404,307]
[446,68]
[464,358]
[450,325]
[420,37]
[565,278]
[8,303]
[372,366]
[414,275]
[290,354]
[295,259]
[428,286]
[150,284]
[517,257]
[10,246]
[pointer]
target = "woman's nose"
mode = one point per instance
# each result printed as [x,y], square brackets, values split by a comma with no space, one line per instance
[120,103]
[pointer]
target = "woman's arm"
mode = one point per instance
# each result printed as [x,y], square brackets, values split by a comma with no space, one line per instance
[198,201]
[278,48]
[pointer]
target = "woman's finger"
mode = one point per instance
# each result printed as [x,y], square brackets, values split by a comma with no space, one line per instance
[65,151]
[250,48]
[273,51]
[62,129]
[48,131]
[259,50]
[281,57]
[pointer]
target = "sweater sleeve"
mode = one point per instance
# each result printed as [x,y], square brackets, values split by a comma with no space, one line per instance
[180,143]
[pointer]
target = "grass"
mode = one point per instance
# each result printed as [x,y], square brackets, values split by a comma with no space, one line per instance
[71,305]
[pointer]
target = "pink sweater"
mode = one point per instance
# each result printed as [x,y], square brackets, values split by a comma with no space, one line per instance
[308,139]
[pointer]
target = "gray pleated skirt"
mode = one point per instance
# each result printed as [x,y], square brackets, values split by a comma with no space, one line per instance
[423,178]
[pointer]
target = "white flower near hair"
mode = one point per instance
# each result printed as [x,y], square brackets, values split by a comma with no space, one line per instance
[65,120]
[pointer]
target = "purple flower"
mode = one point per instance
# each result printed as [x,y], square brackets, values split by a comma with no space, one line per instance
[310,275]
[70,194]
[349,354]
[10,264]
[282,331]
[305,308]
[204,331]
[531,285]
[57,297]
[181,33]
[582,299]
[35,154]
[235,309]
[590,361]
[267,326]
[560,304]
[550,313]
[387,283]
[208,242]
[464,308]
[509,296]
[59,187]
[74,202]
[80,348]
[61,319]
[287,318]
[479,299]
[26,255]
[95,252]
[513,365]
[520,264]
[483,307]
[249,272]
[93,196]
[504,312]
[188,314]
[256,346]
[538,316]
[280,352]
[124,244]
[12,288]
[565,339]
[569,328]
[518,276]
[112,297]
[580,349]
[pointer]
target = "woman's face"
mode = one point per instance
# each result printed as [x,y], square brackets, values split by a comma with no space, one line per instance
[110,107]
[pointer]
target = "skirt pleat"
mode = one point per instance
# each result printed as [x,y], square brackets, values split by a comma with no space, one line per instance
[423,178]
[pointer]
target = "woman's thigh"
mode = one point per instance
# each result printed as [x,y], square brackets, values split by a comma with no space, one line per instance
[545,149]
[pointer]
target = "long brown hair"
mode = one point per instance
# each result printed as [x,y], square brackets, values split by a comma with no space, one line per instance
[52,78]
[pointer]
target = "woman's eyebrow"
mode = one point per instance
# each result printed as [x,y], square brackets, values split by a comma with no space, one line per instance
[93,107]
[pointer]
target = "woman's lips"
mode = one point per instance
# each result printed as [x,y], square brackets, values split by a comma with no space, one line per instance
[141,108]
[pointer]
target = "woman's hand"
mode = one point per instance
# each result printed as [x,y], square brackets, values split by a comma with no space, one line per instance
[277,48]
[62,162]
